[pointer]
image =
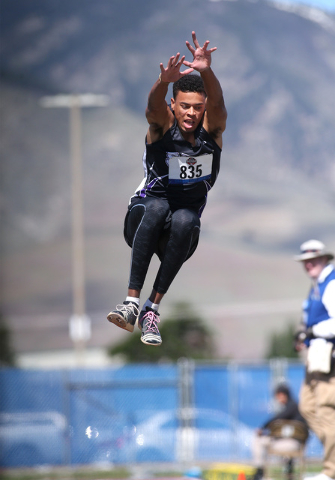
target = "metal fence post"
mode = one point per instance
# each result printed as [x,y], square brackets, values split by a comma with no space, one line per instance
[186,424]
[278,369]
[233,395]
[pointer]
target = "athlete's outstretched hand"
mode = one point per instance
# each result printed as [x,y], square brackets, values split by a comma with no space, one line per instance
[202,58]
[172,72]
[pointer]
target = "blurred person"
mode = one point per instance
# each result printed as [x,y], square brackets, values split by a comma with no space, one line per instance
[262,441]
[181,163]
[316,333]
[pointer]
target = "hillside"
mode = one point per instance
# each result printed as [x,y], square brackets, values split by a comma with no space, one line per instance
[276,186]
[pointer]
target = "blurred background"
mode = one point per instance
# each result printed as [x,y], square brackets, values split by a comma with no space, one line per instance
[69,165]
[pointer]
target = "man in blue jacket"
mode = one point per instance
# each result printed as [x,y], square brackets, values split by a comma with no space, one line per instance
[317,334]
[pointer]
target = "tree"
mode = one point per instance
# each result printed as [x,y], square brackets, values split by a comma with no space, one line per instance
[183,333]
[281,343]
[7,357]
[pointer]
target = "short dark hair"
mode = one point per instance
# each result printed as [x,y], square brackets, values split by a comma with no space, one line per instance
[283,388]
[189,83]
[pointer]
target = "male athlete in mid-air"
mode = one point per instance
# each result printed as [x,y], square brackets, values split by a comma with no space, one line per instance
[181,164]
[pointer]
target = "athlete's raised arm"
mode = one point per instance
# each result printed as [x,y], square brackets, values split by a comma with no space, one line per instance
[216,114]
[158,114]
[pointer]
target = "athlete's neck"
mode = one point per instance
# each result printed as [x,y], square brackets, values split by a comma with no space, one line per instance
[189,137]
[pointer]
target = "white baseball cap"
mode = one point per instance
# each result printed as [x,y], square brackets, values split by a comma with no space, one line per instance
[312,249]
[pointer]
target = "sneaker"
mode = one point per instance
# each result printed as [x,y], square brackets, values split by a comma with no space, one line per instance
[124,316]
[147,322]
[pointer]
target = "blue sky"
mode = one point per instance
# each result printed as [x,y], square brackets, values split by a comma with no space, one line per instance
[327,5]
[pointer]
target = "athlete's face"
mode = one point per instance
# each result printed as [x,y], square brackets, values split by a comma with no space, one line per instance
[314,266]
[188,108]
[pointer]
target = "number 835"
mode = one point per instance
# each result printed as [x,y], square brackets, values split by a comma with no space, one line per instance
[190,171]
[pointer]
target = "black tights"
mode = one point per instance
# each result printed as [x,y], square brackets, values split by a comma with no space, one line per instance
[151,227]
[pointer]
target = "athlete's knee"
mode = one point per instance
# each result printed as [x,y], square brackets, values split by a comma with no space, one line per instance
[154,210]
[146,218]
[157,208]
[185,221]
[185,230]
[135,214]
[132,221]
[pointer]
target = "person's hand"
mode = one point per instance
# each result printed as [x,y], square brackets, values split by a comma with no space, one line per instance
[172,71]
[300,336]
[202,58]
[299,346]
[303,334]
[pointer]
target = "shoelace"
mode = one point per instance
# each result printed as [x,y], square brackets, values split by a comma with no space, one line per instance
[127,309]
[153,319]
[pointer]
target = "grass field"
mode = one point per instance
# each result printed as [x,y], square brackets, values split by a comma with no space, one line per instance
[64,474]
[276,473]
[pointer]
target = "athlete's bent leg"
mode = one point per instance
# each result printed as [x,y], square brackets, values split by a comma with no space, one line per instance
[182,241]
[143,228]
[144,224]
[175,247]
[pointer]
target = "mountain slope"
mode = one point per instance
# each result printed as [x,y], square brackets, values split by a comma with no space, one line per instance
[276,186]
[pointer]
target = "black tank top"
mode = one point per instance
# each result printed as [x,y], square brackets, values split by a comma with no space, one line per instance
[179,172]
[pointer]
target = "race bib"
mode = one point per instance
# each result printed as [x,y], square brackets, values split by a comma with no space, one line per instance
[184,169]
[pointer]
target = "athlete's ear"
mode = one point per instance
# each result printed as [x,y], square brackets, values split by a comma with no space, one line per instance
[172,103]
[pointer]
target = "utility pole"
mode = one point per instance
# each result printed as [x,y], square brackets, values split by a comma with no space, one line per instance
[79,322]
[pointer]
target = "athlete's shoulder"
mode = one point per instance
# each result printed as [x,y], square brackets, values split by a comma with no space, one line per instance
[157,130]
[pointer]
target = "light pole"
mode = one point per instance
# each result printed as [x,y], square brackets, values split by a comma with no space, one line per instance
[79,322]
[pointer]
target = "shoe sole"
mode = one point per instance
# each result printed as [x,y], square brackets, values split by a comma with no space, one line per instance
[147,342]
[119,321]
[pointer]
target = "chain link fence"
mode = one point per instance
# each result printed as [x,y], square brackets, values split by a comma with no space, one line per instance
[183,412]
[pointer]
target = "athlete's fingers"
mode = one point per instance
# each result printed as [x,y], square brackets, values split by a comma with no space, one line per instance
[176,59]
[189,46]
[195,41]
[170,63]
[186,72]
[180,62]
